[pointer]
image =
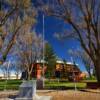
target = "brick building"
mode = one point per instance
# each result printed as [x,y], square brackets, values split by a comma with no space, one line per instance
[69,70]
[64,70]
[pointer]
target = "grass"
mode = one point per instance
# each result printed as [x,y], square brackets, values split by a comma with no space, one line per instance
[14,85]
[90,80]
[10,84]
[65,85]
[53,84]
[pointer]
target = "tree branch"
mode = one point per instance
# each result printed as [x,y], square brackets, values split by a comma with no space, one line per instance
[5,18]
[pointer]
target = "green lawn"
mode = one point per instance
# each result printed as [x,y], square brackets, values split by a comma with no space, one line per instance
[66,85]
[89,80]
[14,84]
[9,84]
[53,84]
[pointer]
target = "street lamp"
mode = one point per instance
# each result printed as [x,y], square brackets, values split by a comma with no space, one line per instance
[8,65]
[75,86]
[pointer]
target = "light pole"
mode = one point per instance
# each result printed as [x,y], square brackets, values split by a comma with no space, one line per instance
[75,86]
[8,65]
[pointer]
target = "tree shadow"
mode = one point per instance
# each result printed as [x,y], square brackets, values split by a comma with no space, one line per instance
[85,90]
[12,96]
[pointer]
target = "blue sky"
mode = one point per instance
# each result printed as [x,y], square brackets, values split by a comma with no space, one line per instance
[52,26]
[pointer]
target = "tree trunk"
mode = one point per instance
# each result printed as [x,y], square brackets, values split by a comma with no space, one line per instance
[17,75]
[29,76]
[97,69]
[89,72]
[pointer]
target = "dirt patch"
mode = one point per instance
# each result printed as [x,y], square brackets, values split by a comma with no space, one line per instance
[61,95]
[72,95]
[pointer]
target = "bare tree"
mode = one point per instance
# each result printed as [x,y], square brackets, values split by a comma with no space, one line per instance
[17,67]
[15,17]
[81,55]
[83,17]
[29,47]
[6,69]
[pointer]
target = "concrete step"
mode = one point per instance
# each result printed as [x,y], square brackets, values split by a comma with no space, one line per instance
[36,98]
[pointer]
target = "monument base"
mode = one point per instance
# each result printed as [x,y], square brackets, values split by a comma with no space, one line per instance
[27,91]
[36,98]
[40,83]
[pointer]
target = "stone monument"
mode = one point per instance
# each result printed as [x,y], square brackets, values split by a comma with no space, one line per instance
[27,91]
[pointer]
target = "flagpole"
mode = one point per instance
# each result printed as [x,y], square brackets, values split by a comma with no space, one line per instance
[43,39]
[43,49]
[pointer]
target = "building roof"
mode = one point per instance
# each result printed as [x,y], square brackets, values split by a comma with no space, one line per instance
[41,61]
[62,62]
[59,61]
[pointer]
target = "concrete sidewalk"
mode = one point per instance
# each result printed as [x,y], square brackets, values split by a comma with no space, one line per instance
[8,95]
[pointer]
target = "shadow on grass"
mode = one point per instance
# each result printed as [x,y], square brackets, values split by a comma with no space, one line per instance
[62,88]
